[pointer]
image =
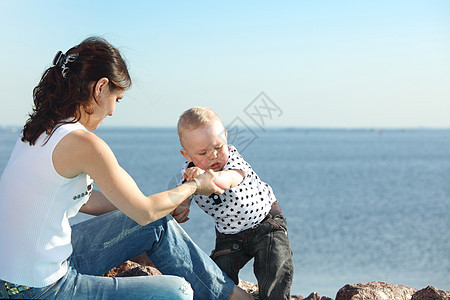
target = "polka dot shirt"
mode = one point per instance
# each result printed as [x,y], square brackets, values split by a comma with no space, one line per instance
[241,207]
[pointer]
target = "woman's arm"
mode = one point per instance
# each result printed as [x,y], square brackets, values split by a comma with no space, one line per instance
[83,152]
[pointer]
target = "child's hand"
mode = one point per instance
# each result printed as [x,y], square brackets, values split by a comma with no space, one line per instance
[181,213]
[192,172]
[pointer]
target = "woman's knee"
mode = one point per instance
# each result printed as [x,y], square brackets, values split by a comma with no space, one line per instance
[184,290]
[178,288]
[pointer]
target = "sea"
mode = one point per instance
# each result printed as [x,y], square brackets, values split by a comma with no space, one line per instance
[361,204]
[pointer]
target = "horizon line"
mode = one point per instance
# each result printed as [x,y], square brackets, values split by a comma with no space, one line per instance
[9,127]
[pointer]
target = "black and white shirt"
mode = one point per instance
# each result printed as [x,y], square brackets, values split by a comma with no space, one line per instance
[241,207]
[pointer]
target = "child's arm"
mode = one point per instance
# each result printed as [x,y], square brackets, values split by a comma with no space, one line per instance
[223,179]
[229,178]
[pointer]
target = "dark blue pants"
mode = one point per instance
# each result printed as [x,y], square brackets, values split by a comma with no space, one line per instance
[268,243]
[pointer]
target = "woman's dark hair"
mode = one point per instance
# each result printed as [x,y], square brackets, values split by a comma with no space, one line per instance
[64,91]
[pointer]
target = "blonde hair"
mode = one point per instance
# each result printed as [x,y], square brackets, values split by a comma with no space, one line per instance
[194,118]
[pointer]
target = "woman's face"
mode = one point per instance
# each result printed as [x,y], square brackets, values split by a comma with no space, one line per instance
[103,107]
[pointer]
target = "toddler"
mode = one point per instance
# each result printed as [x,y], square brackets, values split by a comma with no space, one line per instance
[248,219]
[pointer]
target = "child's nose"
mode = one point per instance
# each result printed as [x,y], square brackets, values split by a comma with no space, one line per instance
[213,154]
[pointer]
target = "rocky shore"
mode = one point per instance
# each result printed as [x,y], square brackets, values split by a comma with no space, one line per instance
[142,266]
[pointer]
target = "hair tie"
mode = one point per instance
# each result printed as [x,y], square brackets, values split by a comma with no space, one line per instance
[58,58]
[62,60]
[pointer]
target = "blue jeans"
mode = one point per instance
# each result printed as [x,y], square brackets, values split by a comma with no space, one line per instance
[101,243]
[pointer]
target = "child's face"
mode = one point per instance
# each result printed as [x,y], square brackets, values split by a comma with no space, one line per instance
[206,146]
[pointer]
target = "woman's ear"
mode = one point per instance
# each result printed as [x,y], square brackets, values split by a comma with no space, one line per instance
[186,155]
[100,86]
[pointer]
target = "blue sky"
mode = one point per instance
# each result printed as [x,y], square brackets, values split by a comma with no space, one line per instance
[338,64]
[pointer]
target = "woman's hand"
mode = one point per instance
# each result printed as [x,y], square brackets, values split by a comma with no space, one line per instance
[207,184]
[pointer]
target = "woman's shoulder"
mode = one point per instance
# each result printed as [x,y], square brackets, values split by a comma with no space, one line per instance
[85,142]
[77,151]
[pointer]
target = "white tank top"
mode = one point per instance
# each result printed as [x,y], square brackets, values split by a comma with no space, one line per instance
[35,205]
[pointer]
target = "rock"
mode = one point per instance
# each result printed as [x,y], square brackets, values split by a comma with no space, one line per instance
[313,296]
[249,287]
[431,293]
[142,266]
[130,268]
[139,266]
[376,291]
[139,271]
[252,289]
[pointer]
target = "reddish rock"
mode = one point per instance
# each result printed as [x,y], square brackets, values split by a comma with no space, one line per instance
[431,293]
[252,289]
[139,271]
[142,266]
[130,268]
[313,296]
[249,287]
[120,268]
[376,291]
[139,266]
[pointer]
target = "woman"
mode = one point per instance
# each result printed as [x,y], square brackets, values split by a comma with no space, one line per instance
[49,178]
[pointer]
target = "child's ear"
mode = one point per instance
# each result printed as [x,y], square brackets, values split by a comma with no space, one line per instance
[185,154]
[224,139]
